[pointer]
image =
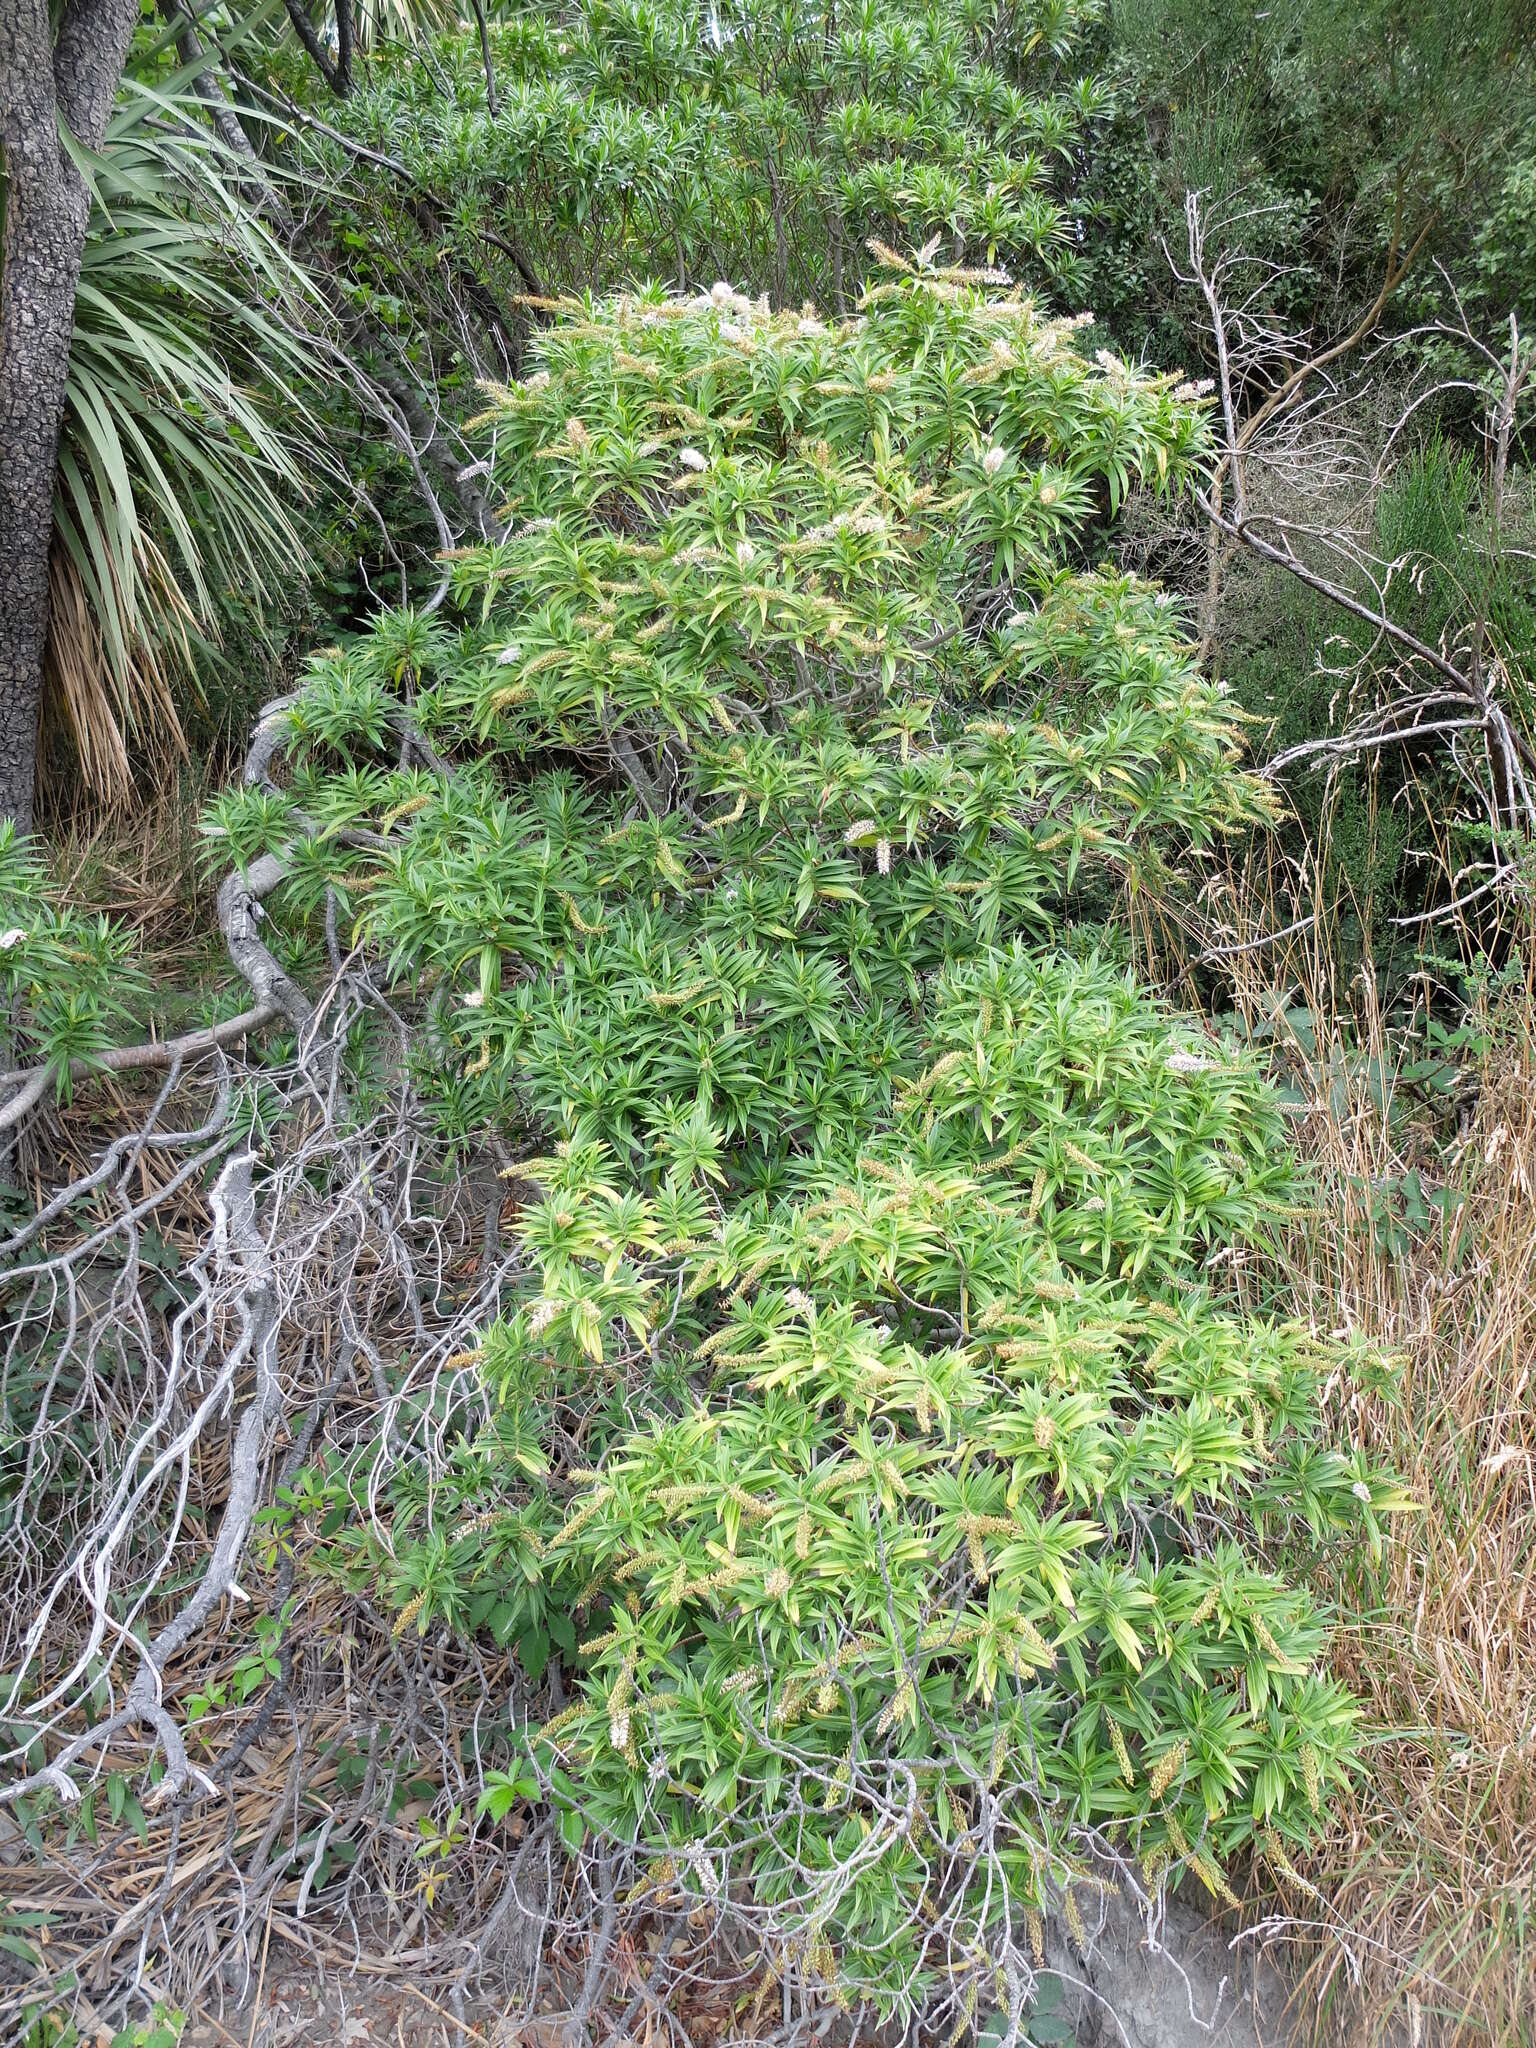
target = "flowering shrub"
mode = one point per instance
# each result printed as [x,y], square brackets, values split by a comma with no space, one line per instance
[878,1434]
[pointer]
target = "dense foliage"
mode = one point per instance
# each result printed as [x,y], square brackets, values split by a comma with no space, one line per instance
[1358,172]
[1318,133]
[636,138]
[876,1403]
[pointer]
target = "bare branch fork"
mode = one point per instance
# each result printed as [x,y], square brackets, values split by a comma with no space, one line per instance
[1280,435]
[1266,356]
[236,1240]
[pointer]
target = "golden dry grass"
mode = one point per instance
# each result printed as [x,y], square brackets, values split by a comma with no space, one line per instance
[113,719]
[1425,1930]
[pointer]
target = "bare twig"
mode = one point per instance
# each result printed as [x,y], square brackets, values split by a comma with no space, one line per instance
[1252,350]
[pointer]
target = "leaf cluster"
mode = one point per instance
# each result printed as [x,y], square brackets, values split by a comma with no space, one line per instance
[68,981]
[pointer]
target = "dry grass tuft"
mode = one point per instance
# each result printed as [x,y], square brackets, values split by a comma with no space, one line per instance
[106,709]
[1423,1241]
[138,862]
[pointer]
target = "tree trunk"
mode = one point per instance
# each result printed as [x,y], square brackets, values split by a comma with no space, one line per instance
[46,209]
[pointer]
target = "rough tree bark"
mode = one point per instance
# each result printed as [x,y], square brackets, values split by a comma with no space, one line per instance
[337,71]
[48,84]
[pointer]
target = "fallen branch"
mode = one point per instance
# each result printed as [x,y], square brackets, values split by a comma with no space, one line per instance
[28,1099]
[154,1055]
[235,1237]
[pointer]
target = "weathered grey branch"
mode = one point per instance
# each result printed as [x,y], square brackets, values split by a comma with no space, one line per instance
[240,917]
[210,90]
[236,1239]
[154,1055]
[21,1104]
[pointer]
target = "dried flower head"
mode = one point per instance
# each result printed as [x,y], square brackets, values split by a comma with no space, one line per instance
[1189,1063]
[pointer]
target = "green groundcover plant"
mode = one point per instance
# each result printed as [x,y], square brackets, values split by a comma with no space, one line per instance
[68,981]
[882,1432]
